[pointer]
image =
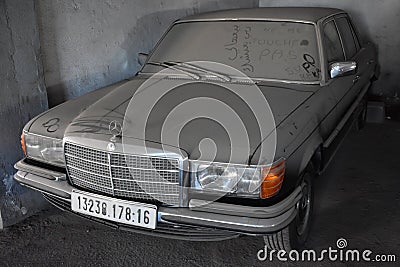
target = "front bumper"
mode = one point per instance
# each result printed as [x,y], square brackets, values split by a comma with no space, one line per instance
[212,221]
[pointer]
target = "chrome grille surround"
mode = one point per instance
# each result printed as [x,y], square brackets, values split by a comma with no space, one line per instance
[124,175]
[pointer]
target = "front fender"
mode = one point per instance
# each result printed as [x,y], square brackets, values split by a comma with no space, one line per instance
[54,121]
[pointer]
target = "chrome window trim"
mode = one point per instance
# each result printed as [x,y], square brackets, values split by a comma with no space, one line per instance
[321,54]
[323,22]
[246,19]
[353,33]
[338,32]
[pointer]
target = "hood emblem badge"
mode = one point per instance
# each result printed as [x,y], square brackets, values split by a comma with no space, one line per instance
[111,147]
[115,129]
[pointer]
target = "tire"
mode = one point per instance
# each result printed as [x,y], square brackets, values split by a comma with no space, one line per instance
[296,233]
[362,117]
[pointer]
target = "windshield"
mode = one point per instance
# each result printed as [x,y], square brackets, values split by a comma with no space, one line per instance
[260,49]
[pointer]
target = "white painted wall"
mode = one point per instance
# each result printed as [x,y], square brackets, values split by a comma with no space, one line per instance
[89,44]
[22,96]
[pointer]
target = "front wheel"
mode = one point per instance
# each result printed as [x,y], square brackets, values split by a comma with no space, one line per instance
[362,117]
[296,233]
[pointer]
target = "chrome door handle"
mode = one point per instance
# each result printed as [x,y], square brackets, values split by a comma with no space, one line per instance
[356,79]
[371,62]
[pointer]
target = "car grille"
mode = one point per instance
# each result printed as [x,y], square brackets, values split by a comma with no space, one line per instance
[135,177]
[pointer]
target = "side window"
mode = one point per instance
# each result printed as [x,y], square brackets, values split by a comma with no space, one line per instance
[354,31]
[333,46]
[347,35]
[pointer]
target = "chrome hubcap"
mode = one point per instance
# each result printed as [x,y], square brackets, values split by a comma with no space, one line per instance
[304,209]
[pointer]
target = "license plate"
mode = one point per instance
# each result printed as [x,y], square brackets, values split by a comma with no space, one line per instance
[127,212]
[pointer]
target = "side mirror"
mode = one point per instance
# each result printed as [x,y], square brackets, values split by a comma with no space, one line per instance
[142,57]
[342,69]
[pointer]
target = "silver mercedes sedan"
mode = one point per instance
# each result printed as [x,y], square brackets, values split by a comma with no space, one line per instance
[163,153]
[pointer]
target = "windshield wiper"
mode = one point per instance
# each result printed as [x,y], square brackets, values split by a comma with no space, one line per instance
[195,67]
[175,66]
[183,66]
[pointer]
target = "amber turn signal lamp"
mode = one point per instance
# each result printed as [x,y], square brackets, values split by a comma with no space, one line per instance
[272,179]
[23,143]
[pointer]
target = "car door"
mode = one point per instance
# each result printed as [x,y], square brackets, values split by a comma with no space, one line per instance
[334,52]
[366,57]
[352,52]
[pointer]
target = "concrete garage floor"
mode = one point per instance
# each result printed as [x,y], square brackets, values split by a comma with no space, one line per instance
[358,198]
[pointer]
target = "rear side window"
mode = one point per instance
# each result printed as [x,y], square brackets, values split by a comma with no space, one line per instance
[347,35]
[354,31]
[333,46]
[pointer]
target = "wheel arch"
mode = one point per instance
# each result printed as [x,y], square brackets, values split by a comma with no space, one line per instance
[310,151]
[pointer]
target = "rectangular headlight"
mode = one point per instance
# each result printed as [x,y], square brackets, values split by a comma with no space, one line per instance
[240,180]
[44,149]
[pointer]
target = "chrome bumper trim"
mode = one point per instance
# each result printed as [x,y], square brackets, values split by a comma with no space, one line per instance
[56,188]
[49,174]
[240,219]
[246,225]
[256,212]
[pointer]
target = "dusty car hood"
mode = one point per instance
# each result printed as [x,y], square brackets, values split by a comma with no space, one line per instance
[94,121]
[54,121]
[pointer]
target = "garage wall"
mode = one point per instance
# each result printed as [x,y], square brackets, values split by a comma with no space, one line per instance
[22,96]
[380,20]
[90,44]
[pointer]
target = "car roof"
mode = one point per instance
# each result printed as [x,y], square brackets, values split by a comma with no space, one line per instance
[306,14]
